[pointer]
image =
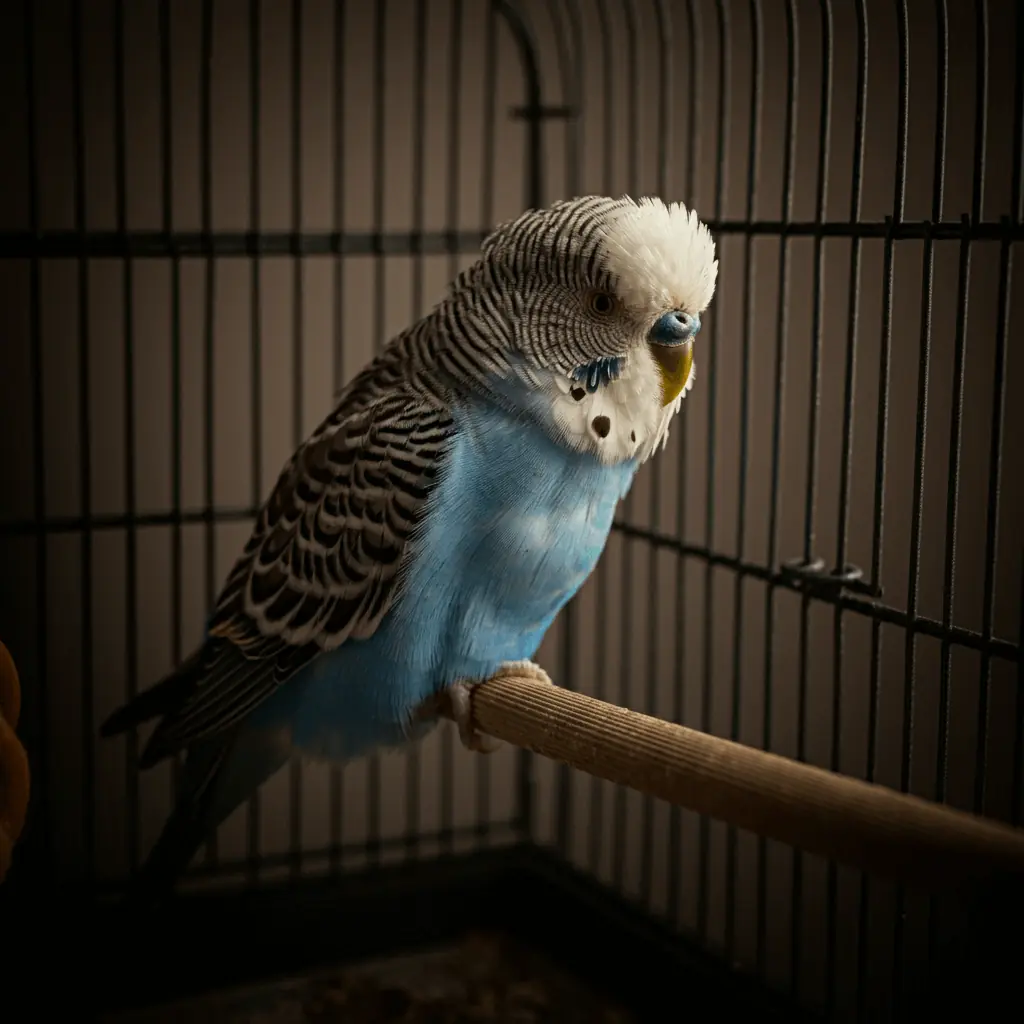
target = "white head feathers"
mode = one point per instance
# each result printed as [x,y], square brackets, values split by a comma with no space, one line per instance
[662,259]
[584,282]
[661,255]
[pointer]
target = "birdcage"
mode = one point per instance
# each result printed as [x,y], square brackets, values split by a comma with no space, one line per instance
[212,216]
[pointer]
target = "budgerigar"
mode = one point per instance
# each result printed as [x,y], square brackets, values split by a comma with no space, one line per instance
[429,530]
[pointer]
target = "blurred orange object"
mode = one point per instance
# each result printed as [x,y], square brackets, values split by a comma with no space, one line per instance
[14,774]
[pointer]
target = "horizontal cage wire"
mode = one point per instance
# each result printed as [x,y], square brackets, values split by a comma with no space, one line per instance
[220,212]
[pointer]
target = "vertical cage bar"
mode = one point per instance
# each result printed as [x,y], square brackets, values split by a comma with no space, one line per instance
[778,409]
[601,683]
[572,91]
[167,219]
[336,785]
[373,805]
[956,414]
[567,662]
[608,172]
[131,540]
[657,470]
[483,771]
[85,450]
[39,754]
[753,157]
[534,199]
[998,397]
[956,411]
[255,802]
[845,482]
[419,131]
[209,292]
[1016,803]
[881,434]
[629,504]
[452,220]
[1005,276]
[724,68]
[920,441]
[298,380]
[675,835]
[595,835]
[534,137]
[813,446]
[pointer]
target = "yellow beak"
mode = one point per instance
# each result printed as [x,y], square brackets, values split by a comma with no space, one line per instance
[675,363]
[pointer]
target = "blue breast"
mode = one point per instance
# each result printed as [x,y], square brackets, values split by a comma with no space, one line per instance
[516,524]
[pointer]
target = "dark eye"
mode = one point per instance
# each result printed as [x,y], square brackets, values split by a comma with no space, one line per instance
[601,303]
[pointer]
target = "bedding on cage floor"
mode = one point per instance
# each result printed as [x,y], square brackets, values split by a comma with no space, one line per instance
[484,977]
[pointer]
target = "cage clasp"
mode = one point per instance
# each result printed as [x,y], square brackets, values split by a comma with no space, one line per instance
[813,575]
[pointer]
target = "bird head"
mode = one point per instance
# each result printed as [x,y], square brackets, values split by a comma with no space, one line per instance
[601,299]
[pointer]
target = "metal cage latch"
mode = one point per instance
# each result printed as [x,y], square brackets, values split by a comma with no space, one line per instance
[813,576]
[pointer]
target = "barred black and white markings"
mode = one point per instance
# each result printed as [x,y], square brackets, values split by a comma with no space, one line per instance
[324,562]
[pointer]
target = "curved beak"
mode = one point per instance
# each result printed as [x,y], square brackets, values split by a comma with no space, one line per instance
[671,342]
[675,364]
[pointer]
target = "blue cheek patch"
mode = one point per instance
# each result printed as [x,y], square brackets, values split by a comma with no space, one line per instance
[598,373]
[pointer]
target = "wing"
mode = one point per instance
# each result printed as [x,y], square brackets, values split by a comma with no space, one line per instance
[324,560]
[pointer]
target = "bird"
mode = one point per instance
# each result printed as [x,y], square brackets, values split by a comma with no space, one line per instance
[425,535]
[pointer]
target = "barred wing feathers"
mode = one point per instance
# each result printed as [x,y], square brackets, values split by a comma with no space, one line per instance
[323,563]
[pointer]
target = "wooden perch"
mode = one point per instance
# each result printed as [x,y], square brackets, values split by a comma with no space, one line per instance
[852,822]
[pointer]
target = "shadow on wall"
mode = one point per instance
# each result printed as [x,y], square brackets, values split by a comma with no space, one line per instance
[179,408]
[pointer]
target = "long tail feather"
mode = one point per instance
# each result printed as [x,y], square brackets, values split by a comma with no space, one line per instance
[158,699]
[219,774]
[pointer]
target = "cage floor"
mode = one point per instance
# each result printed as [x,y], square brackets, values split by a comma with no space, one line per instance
[484,977]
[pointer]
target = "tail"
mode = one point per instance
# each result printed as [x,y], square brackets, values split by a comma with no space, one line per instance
[220,772]
[184,831]
[160,699]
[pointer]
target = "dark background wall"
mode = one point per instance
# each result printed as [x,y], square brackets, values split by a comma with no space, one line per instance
[182,410]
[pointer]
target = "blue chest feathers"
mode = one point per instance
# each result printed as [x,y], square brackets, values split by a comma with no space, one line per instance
[516,525]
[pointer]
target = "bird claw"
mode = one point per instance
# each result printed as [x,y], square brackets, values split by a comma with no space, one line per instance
[525,668]
[460,703]
[460,700]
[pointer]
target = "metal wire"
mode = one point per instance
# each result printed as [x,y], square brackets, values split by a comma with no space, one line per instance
[254,804]
[899,198]
[174,314]
[607,39]
[675,835]
[336,782]
[707,683]
[373,787]
[781,333]
[39,746]
[569,60]
[651,690]
[917,501]
[88,724]
[813,443]
[753,157]
[131,535]
[298,381]
[842,533]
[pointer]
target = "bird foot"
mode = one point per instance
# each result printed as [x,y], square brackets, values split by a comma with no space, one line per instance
[460,702]
[525,668]
[460,699]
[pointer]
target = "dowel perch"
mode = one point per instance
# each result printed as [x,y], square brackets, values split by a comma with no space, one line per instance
[14,773]
[852,822]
